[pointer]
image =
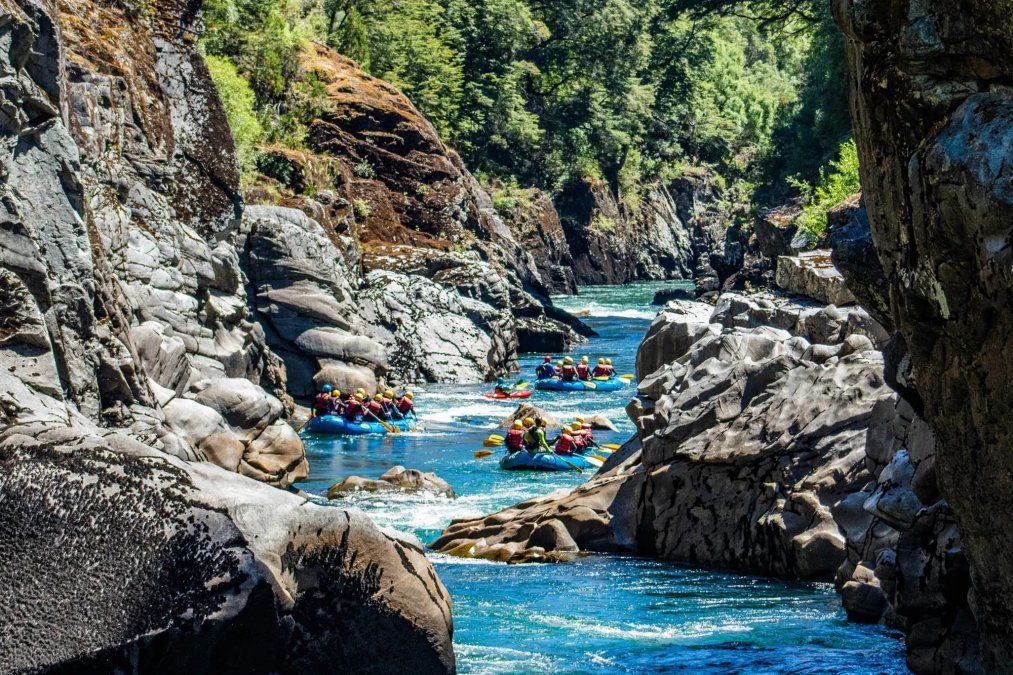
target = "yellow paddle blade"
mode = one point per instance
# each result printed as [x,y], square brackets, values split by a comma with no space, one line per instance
[628,376]
[611,446]
[495,437]
[599,458]
[479,454]
[601,378]
[590,385]
[521,385]
[491,443]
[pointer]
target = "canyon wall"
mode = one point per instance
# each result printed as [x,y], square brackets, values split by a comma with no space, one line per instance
[139,396]
[933,115]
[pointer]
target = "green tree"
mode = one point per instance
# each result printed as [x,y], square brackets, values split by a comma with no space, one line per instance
[238,100]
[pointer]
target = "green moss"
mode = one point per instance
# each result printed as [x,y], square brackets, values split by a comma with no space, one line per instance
[361,208]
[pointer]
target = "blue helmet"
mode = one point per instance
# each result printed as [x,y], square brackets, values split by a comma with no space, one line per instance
[327,388]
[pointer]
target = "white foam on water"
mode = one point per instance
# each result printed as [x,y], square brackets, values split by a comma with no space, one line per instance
[692,630]
[603,311]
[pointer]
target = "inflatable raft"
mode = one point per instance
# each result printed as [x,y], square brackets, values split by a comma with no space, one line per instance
[547,461]
[519,393]
[556,384]
[334,424]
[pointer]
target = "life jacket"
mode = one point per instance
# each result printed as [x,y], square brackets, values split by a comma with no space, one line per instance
[564,446]
[582,372]
[530,438]
[353,409]
[611,371]
[335,406]
[567,373]
[545,371]
[405,405]
[515,440]
[600,371]
[321,404]
[580,439]
[376,408]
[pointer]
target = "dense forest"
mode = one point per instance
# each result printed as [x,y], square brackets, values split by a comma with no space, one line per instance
[538,93]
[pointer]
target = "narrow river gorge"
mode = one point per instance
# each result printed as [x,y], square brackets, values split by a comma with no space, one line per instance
[599,613]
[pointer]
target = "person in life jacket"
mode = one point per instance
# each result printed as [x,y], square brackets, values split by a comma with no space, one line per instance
[375,406]
[334,405]
[534,437]
[515,437]
[354,408]
[504,388]
[406,404]
[545,370]
[565,444]
[322,402]
[389,409]
[601,370]
[568,373]
[608,364]
[583,372]
[579,437]
[588,434]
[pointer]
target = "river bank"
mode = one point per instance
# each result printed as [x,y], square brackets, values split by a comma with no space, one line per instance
[600,613]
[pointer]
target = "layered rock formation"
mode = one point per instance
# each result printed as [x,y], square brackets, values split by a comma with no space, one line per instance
[129,355]
[444,289]
[676,231]
[768,441]
[933,118]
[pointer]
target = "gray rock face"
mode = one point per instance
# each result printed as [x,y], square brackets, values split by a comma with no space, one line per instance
[933,119]
[395,479]
[219,573]
[127,347]
[813,275]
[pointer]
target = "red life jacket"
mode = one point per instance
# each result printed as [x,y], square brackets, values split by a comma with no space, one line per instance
[600,371]
[515,439]
[567,373]
[321,405]
[405,405]
[376,408]
[564,446]
[579,440]
[353,409]
[582,372]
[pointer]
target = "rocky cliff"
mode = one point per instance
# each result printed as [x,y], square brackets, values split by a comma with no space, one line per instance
[933,116]
[428,283]
[137,383]
[769,442]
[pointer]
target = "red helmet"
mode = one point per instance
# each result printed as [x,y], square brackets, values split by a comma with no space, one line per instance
[548,359]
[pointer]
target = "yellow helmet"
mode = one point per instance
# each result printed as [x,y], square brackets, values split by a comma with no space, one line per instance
[583,359]
[560,363]
[528,422]
[608,361]
[388,394]
[601,362]
[359,397]
[518,424]
[568,360]
[579,419]
[576,426]
[335,393]
[408,395]
[543,422]
[378,397]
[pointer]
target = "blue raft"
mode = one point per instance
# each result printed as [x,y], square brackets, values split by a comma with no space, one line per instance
[556,384]
[547,461]
[335,424]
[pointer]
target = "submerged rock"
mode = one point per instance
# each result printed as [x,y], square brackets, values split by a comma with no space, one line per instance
[396,479]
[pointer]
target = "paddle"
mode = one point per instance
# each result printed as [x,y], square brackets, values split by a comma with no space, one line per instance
[628,376]
[611,446]
[590,385]
[480,454]
[390,429]
[572,466]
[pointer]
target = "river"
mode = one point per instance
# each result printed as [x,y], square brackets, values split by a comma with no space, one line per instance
[601,613]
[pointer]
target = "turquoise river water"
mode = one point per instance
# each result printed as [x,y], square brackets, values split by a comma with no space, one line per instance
[600,613]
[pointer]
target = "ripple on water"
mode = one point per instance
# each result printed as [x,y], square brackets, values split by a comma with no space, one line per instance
[599,614]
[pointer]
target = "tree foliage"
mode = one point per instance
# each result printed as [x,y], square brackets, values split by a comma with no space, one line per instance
[547,92]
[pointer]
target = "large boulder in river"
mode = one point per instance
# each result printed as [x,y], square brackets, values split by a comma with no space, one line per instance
[150,564]
[395,479]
